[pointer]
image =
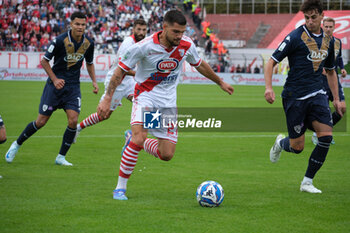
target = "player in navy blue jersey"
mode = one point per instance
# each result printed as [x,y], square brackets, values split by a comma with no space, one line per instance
[62,89]
[328,27]
[309,51]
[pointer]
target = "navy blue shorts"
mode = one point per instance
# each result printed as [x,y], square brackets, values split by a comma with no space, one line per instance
[69,97]
[301,113]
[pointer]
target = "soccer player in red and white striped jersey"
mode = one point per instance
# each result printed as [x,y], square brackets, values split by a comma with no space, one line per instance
[159,59]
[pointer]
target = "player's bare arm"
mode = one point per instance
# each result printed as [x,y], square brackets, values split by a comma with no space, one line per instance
[104,105]
[269,93]
[57,82]
[333,85]
[208,72]
[131,73]
[91,70]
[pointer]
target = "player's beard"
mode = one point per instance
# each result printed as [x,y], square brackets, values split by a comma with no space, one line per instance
[172,42]
[139,37]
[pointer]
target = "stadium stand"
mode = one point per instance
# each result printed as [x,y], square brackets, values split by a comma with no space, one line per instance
[31,25]
[244,26]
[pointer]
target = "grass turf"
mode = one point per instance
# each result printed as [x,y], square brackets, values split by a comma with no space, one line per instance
[38,196]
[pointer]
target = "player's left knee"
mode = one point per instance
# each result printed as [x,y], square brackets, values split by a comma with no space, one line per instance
[166,156]
[72,123]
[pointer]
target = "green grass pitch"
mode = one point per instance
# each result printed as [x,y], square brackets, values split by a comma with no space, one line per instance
[38,196]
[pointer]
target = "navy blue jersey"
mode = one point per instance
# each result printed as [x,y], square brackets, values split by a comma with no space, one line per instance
[69,56]
[307,54]
[338,54]
[338,63]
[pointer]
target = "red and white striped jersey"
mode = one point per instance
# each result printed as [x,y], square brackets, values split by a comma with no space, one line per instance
[127,43]
[158,69]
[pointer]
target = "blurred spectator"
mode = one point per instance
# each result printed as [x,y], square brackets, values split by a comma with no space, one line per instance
[233,68]
[238,69]
[256,70]
[27,25]
[244,69]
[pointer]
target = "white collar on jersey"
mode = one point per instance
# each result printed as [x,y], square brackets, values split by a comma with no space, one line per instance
[308,32]
[70,38]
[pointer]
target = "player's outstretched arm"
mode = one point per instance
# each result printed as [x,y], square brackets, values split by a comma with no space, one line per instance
[333,85]
[209,73]
[104,105]
[269,93]
[91,70]
[57,82]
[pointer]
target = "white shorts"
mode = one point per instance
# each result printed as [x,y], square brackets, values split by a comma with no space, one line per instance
[124,90]
[143,103]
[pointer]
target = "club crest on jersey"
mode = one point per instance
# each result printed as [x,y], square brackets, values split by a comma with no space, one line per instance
[167,65]
[315,56]
[181,52]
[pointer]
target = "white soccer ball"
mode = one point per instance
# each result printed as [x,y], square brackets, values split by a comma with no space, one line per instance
[210,194]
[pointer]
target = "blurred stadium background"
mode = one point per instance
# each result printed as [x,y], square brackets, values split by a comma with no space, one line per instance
[234,36]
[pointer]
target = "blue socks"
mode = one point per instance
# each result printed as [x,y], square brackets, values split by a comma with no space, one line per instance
[68,138]
[318,156]
[27,132]
[285,144]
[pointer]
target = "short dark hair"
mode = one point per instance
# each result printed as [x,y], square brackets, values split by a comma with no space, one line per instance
[310,5]
[329,19]
[140,21]
[77,14]
[175,16]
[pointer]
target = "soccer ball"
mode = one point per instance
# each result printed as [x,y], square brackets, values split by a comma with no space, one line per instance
[210,194]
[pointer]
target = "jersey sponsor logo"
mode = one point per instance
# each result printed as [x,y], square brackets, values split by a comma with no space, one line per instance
[316,56]
[74,57]
[163,78]
[167,65]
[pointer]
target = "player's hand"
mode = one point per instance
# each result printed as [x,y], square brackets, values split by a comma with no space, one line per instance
[103,108]
[59,83]
[343,73]
[270,95]
[227,87]
[338,107]
[96,89]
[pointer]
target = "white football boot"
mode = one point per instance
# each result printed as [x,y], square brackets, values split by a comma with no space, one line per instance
[309,187]
[11,153]
[276,149]
[61,160]
[314,138]
[77,133]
